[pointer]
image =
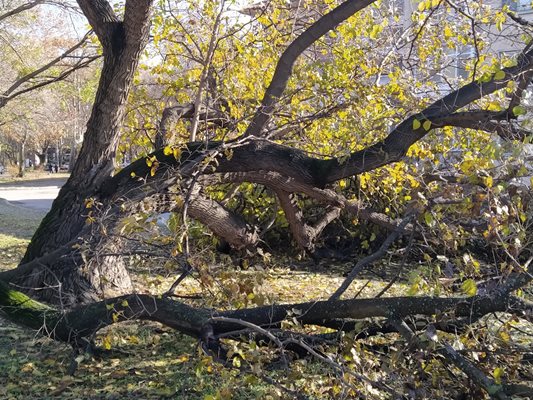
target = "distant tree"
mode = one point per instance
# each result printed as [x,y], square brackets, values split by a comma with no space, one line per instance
[31,61]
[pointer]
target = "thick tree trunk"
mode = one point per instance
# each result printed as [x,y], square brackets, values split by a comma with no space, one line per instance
[67,281]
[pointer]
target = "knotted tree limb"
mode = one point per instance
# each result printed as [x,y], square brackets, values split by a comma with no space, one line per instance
[83,321]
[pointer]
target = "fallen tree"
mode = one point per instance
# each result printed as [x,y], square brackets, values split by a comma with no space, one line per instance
[79,325]
[76,257]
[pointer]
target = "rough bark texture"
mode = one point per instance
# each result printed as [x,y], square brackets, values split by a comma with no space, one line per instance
[122,42]
[85,320]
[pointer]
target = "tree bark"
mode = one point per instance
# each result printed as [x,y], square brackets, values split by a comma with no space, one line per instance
[122,42]
[21,160]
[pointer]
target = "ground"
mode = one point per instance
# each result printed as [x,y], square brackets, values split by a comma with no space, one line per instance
[145,360]
[151,361]
[36,194]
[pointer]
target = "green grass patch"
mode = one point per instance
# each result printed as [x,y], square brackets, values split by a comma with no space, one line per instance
[17,222]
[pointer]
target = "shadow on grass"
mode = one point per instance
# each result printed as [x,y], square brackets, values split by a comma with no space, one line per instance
[18,222]
[39,181]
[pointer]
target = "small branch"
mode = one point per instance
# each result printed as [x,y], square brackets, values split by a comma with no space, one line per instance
[21,8]
[371,258]
[475,374]
[10,93]
[257,329]
[300,230]
[283,70]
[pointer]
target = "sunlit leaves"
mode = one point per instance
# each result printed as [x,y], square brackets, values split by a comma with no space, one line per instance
[499,75]
[519,110]
[469,287]
[497,374]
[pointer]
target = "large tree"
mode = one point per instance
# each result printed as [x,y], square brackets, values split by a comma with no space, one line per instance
[74,257]
[254,158]
[29,70]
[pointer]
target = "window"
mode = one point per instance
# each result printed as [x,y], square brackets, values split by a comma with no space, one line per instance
[519,5]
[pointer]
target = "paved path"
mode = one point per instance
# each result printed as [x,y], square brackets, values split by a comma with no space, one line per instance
[36,194]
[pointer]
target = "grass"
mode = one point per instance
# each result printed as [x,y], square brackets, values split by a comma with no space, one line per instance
[17,222]
[149,361]
[11,175]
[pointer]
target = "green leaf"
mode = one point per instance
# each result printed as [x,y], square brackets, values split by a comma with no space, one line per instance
[486,77]
[428,217]
[416,124]
[469,287]
[519,110]
[499,75]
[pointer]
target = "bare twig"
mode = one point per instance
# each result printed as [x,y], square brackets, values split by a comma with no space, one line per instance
[371,258]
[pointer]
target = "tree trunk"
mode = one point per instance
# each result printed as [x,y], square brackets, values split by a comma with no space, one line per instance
[70,281]
[21,160]
[43,159]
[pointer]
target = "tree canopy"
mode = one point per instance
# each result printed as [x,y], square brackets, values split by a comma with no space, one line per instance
[371,137]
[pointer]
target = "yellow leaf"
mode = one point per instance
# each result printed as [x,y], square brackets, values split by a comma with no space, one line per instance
[133,175]
[148,162]
[107,342]
[124,303]
[488,181]
[28,367]
[497,375]
[167,151]
[427,125]
[183,358]
[421,6]
[499,75]
[469,287]
[153,170]
[177,153]
[504,335]
[416,124]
